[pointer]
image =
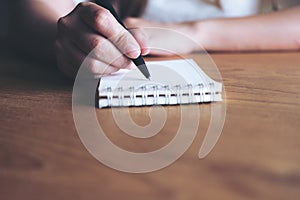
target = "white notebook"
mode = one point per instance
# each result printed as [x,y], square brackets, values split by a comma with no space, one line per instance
[172,82]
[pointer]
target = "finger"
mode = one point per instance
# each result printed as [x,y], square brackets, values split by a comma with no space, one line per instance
[103,22]
[102,49]
[142,38]
[91,43]
[79,59]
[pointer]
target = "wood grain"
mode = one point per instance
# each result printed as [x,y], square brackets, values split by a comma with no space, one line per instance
[257,156]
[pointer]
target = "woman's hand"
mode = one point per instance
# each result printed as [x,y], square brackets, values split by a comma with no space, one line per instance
[91,32]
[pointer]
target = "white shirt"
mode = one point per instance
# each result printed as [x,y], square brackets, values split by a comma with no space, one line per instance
[189,10]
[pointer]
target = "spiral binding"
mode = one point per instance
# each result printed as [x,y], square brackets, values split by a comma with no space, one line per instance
[178,93]
[109,96]
[132,96]
[155,94]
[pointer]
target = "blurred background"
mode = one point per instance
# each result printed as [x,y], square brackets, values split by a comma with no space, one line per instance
[7,9]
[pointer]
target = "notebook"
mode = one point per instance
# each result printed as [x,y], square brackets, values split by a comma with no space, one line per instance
[172,82]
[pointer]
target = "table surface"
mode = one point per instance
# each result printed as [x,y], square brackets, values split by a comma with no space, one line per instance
[256,157]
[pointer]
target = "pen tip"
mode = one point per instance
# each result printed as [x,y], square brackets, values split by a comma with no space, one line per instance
[149,78]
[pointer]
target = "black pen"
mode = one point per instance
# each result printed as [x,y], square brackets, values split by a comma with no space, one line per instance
[139,62]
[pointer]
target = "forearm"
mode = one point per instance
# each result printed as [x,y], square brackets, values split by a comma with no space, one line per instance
[32,28]
[274,31]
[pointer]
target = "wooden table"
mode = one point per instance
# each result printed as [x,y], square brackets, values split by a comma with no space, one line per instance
[256,157]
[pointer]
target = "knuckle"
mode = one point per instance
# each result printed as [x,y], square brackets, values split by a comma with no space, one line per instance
[121,39]
[95,42]
[62,23]
[101,17]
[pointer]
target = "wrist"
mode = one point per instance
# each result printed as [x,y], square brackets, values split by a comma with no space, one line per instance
[192,31]
[203,33]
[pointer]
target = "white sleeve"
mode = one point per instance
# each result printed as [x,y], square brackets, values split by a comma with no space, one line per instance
[240,8]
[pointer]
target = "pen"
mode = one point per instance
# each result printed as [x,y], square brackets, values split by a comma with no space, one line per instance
[139,62]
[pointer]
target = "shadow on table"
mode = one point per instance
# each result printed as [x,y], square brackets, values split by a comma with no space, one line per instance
[20,73]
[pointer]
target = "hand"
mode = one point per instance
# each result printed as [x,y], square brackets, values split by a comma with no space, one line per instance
[168,38]
[91,32]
